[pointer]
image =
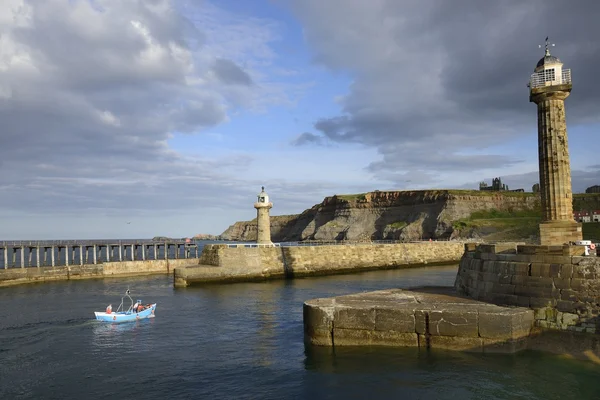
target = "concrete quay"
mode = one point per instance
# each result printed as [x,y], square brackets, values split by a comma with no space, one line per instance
[222,263]
[427,318]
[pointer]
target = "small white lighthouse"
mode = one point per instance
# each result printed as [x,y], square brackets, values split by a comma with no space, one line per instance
[263,205]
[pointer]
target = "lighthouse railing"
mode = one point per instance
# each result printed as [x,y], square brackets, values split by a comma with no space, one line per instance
[539,79]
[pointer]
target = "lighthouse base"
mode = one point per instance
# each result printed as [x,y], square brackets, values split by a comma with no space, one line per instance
[560,232]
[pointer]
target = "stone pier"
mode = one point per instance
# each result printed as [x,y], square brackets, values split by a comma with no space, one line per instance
[428,318]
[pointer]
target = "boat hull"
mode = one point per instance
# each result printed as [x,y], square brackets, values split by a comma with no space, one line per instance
[126,316]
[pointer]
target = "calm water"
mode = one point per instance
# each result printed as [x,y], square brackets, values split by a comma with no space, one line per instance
[244,341]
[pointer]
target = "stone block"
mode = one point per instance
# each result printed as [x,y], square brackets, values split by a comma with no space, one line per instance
[398,320]
[491,277]
[561,283]
[487,248]
[569,295]
[468,344]
[566,319]
[540,302]
[566,270]
[522,268]
[541,282]
[569,250]
[554,270]
[578,284]
[504,346]
[504,288]
[345,337]
[470,247]
[522,301]
[554,259]
[355,318]
[421,324]
[518,280]
[453,323]
[507,325]
[318,321]
[352,337]
[502,299]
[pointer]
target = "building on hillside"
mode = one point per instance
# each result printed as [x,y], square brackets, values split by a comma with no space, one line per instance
[587,216]
[593,189]
[497,186]
[582,216]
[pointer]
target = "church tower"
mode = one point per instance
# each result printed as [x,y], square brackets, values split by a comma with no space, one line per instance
[549,86]
[262,218]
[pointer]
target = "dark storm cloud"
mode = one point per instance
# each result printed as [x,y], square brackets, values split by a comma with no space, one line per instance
[230,73]
[442,78]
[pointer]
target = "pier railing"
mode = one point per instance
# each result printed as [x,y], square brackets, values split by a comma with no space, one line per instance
[329,243]
[22,253]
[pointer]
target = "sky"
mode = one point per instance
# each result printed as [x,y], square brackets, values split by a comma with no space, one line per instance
[142,118]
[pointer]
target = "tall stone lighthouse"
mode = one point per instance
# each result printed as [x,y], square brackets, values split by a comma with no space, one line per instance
[263,206]
[549,86]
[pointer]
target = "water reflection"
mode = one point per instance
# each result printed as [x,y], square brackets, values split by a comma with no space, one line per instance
[124,335]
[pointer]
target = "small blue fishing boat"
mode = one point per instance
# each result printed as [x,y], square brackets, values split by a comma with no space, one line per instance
[135,312]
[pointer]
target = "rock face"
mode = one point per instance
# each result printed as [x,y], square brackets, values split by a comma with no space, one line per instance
[389,215]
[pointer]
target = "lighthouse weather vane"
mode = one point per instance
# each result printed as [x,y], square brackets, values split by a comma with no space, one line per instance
[547,46]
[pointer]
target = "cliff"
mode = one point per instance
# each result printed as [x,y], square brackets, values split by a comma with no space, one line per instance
[412,215]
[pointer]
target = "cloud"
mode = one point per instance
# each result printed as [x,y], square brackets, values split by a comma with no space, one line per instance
[435,80]
[306,138]
[92,92]
[228,72]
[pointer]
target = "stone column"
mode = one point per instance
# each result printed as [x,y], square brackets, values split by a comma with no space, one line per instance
[263,222]
[558,226]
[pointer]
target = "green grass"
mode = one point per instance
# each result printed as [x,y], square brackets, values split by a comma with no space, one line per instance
[586,201]
[489,193]
[498,214]
[591,230]
[352,197]
[508,224]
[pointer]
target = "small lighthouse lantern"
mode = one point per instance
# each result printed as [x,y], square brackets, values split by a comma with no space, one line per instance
[263,197]
[549,71]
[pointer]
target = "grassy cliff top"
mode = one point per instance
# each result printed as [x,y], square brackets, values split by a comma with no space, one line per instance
[456,192]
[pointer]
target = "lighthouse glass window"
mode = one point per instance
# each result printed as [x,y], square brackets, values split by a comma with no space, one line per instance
[261,199]
[549,75]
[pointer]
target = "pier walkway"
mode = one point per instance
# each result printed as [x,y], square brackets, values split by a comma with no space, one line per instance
[23,254]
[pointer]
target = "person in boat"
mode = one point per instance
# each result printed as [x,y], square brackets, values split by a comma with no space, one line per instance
[109,309]
[135,306]
[140,307]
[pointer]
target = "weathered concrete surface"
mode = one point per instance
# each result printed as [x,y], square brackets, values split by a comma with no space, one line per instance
[16,276]
[561,285]
[222,263]
[422,317]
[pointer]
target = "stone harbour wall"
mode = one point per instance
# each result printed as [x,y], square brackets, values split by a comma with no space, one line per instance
[560,284]
[15,276]
[223,263]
